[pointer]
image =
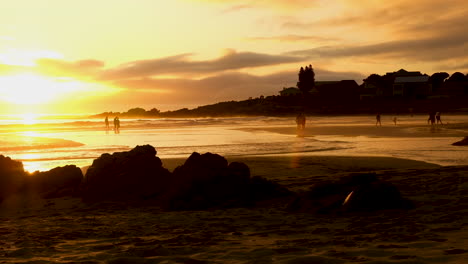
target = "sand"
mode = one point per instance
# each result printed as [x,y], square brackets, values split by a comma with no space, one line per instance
[68,231]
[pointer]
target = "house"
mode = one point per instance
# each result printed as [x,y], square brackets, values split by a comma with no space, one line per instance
[402,83]
[412,86]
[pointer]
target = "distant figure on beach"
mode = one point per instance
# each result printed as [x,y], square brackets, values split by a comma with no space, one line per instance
[394,120]
[116,125]
[438,118]
[301,121]
[431,118]
[377,117]
[107,122]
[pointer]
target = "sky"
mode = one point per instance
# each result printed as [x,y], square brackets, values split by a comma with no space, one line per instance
[87,56]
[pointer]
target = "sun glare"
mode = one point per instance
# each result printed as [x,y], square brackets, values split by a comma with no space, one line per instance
[29,118]
[29,89]
[26,57]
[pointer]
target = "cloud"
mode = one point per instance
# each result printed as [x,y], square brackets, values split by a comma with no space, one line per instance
[280,5]
[181,64]
[444,46]
[222,87]
[398,16]
[61,68]
[236,8]
[293,38]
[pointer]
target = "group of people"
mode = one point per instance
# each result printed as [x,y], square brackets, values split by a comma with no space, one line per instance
[434,118]
[116,124]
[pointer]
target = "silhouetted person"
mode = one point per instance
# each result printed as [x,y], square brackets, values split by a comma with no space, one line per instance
[377,118]
[394,120]
[301,121]
[438,118]
[116,125]
[431,118]
[107,122]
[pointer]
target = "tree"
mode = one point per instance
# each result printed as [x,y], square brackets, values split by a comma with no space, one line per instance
[437,80]
[374,79]
[457,77]
[154,112]
[136,112]
[306,79]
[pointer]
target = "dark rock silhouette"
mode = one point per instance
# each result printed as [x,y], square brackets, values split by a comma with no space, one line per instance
[463,142]
[12,177]
[134,174]
[57,182]
[375,196]
[357,192]
[207,181]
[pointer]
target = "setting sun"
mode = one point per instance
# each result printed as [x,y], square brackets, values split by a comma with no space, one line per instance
[33,89]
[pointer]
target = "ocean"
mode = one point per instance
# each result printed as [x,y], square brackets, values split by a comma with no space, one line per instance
[45,142]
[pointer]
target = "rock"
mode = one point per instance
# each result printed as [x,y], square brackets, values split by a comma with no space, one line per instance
[263,189]
[356,192]
[57,182]
[207,181]
[12,177]
[203,181]
[375,196]
[134,174]
[321,198]
[463,142]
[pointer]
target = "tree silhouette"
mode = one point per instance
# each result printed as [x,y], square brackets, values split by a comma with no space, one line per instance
[437,79]
[306,79]
[457,77]
[374,79]
[154,112]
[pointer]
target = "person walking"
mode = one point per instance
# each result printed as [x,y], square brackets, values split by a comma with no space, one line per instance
[116,125]
[301,121]
[438,118]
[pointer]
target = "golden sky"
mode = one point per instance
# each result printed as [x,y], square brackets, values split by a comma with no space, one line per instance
[60,56]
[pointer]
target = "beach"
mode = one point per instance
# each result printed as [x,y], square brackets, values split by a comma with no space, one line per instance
[67,230]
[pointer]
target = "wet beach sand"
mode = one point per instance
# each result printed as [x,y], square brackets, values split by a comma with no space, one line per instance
[68,231]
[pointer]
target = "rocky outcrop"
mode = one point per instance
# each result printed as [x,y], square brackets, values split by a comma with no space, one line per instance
[208,181]
[57,182]
[357,192]
[134,174]
[12,177]
[463,142]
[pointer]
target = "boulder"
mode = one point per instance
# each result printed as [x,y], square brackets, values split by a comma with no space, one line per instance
[57,182]
[374,196]
[463,142]
[134,174]
[12,177]
[356,192]
[208,181]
